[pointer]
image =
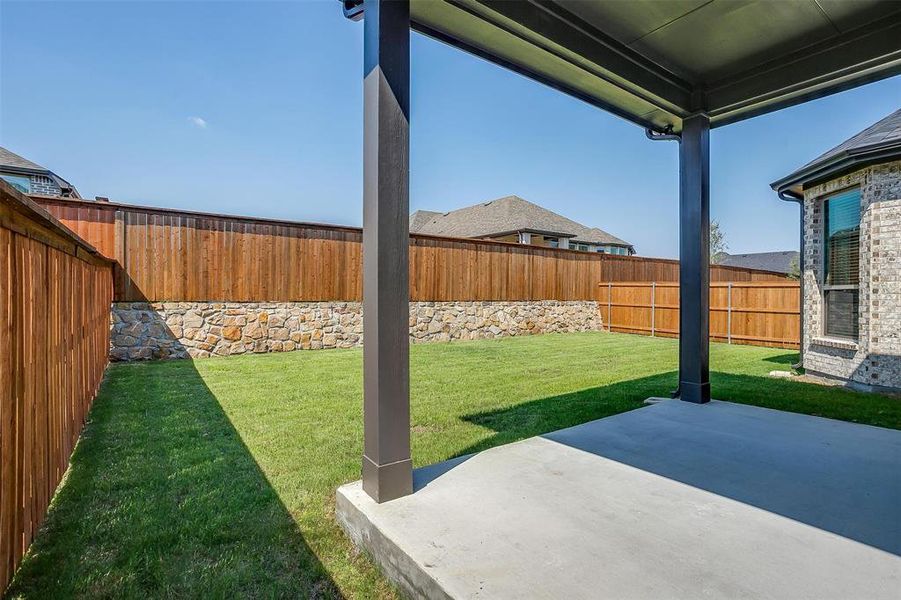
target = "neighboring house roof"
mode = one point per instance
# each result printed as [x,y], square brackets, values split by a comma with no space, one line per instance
[780,262]
[879,142]
[419,219]
[10,162]
[507,215]
[11,159]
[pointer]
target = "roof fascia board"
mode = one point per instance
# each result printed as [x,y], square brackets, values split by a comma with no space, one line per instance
[666,101]
[864,55]
[533,75]
[23,170]
[839,164]
[554,29]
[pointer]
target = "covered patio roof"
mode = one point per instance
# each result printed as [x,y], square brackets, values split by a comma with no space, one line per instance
[655,62]
[675,67]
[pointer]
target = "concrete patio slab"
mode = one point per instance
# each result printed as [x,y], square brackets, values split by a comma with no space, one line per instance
[674,500]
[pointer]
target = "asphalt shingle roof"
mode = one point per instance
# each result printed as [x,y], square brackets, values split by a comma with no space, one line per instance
[884,131]
[879,142]
[12,162]
[419,219]
[505,215]
[11,159]
[781,262]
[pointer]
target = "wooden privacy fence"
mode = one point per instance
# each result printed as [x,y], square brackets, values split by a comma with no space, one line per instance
[754,313]
[175,255]
[54,341]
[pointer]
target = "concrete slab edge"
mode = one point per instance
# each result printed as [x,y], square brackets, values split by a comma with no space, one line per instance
[401,569]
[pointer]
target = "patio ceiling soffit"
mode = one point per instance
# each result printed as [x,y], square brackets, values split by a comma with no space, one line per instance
[666,74]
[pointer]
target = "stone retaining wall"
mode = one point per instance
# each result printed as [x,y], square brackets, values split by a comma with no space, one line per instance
[141,330]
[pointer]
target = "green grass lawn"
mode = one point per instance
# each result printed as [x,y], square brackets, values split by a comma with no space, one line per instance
[216,478]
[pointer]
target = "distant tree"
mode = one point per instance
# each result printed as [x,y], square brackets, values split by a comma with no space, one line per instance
[794,268]
[718,245]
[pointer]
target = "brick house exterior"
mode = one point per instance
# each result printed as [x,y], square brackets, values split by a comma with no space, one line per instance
[868,164]
[31,178]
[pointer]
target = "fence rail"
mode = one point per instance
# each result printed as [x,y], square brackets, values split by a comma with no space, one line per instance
[752,313]
[173,255]
[55,292]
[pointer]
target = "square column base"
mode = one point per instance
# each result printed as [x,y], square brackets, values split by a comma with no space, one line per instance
[699,393]
[389,481]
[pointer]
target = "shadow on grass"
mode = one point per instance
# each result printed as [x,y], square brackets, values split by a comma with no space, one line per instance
[783,359]
[544,415]
[566,410]
[164,499]
[841,479]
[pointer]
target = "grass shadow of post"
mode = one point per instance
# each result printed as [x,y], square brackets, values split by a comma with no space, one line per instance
[544,415]
[164,498]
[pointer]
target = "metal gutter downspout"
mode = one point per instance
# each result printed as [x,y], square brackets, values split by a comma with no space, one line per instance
[790,196]
[663,136]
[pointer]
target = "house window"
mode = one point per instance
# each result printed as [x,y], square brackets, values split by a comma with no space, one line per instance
[582,247]
[23,184]
[841,256]
[552,242]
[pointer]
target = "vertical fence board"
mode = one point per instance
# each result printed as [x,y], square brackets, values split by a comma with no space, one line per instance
[762,313]
[168,255]
[54,340]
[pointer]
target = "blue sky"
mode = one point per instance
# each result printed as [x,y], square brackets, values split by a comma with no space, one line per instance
[255,108]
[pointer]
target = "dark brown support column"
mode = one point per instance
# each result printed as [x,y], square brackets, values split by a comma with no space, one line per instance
[387,468]
[694,259]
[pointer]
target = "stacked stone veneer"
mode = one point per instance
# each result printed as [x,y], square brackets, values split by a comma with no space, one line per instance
[874,359]
[141,330]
